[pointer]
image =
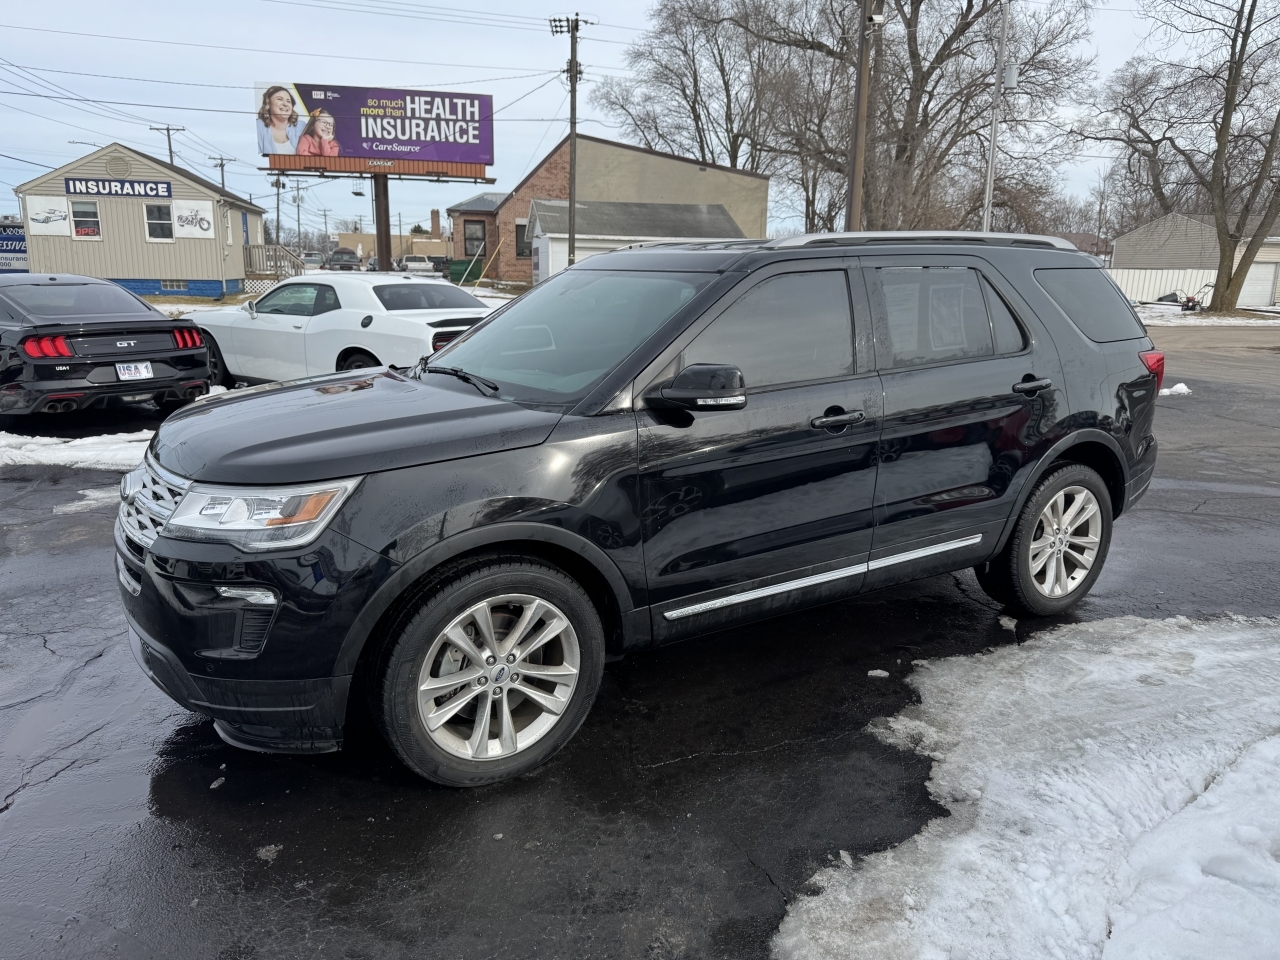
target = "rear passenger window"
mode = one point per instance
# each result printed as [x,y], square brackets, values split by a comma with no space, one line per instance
[932,314]
[787,329]
[326,300]
[1008,334]
[1092,302]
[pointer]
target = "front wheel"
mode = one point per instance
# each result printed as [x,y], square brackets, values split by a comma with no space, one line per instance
[1058,547]
[492,674]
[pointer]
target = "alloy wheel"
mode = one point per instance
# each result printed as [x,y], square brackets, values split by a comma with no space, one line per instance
[498,677]
[1065,544]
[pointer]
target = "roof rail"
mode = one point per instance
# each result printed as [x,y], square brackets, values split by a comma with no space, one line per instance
[923,236]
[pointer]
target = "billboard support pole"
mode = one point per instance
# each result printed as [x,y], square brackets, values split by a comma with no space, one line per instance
[382,220]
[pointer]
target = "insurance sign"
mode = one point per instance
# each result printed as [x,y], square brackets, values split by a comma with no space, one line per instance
[90,187]
[308,119]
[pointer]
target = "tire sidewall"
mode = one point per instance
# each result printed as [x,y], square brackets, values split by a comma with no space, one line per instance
[402,721]
[1029,596]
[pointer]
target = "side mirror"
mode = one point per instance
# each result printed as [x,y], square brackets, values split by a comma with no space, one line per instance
[250,308]
[705,386]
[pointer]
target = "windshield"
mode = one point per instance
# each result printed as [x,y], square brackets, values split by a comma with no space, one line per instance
[74,299]
[425,296]
[559,340]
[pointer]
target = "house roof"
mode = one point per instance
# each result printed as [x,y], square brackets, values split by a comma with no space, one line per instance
[601,218]
[173,168]
[1206,220]
[480,203]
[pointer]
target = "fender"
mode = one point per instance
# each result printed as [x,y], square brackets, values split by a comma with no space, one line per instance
[1083,435]
[635,620]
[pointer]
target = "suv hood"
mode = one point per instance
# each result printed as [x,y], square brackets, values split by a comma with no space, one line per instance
[340,425]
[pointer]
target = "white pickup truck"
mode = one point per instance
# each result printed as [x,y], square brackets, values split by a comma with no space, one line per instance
[414,263]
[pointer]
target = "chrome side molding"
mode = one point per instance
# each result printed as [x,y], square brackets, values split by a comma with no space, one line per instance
[839,574]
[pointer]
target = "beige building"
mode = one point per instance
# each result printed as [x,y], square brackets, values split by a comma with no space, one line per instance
[1178,253]
[608,171]
[148,225]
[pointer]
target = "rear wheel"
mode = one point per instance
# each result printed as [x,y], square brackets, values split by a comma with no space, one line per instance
[492,673]
[1058,547]
[219,375]
[358,361]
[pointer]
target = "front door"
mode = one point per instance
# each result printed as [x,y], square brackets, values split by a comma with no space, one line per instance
[961,418]
[748,512]
[270,344]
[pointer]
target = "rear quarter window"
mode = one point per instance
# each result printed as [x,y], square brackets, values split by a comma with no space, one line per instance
[1091,301]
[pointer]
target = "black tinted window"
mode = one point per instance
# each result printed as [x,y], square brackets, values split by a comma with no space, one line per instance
[1092,302]
[425,296]
[558,341]
[1008,334]
[787,329]
[326,300]
[74,299]
[933,314]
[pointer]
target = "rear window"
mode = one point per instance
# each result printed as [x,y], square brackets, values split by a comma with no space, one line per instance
[425,296]
[1092,302]
[74,299]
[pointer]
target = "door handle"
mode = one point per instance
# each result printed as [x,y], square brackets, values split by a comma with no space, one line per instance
[1033,386]
[838,420]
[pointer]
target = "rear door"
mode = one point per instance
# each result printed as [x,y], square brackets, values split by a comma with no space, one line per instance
[970,392]
[748,512]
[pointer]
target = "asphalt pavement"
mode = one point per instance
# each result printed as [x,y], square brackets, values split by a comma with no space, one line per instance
[707,786]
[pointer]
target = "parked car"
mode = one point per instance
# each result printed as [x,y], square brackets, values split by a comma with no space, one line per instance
[650,445]
[313,261]
[415,263]
[305,326]
[342,259]
[74,343]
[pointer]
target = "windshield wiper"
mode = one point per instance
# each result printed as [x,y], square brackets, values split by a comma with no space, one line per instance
[479,382]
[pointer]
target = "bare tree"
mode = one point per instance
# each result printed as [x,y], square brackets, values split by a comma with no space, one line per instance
[695,91]
[1206,127]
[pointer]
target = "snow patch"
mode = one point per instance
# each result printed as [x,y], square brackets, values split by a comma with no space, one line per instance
[97,497]
[1177,390]
[119,451]
[1172,315]
[877,673]
[1113,790]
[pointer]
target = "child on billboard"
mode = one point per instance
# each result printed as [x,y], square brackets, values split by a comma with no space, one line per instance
[317,139]
[278,130]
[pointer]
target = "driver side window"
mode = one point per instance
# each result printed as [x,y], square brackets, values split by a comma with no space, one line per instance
[295,300]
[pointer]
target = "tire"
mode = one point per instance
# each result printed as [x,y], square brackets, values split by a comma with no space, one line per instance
[1068,561]
[532,716]
[358,361]
[219,375]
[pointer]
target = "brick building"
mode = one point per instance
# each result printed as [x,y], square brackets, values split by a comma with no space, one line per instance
[607,171]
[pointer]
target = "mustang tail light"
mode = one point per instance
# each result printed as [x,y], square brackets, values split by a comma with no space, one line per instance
[39,348]
[440,339]
[1153,360]
[187,339]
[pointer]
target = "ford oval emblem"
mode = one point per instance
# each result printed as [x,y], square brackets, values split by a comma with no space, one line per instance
[500,674]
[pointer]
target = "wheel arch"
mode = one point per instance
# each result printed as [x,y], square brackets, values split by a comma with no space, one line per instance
[366,643]
[1089,447]
[347,352]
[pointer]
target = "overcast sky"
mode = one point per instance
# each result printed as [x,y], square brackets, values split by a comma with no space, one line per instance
[79,48]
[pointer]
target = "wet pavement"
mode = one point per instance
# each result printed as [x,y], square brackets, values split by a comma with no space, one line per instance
[708,784]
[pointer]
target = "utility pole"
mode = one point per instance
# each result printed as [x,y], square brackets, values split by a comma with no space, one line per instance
[168,136]
[221,164]
[297,209]
[400,233]
[277,183]
[997,95]
[324,246]
[858,140]
[571,25]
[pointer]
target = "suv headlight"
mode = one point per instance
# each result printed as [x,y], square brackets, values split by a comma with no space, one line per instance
[265,518]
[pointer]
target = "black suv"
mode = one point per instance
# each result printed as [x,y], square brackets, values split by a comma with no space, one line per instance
[653,444]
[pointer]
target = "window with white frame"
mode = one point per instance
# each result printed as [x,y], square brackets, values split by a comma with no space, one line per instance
[159,221]
[173,285]
[85,224]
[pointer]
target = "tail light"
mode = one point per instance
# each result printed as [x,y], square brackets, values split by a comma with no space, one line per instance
[1153,360]
[39,348]
[440,339]
[187,339]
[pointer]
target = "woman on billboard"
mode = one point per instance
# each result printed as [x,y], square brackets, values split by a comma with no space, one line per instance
[317,139]
[278,129]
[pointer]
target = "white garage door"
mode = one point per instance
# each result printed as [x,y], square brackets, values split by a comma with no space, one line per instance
[1259,286]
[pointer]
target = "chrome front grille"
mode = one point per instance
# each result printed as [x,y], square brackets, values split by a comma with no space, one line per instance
[148,497]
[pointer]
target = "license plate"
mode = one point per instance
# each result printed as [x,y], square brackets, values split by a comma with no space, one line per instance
[134,371]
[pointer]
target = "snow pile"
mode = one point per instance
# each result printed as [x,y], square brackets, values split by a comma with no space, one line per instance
[1177,390]
[1113,790]
[120,451]
[1172,315]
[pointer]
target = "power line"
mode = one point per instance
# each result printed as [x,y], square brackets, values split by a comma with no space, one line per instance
[244,86]
[32,162]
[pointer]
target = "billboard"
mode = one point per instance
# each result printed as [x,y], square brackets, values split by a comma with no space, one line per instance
[308,119]
[13,252]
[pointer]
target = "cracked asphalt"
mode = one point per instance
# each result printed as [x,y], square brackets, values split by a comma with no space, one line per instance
[709,783]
